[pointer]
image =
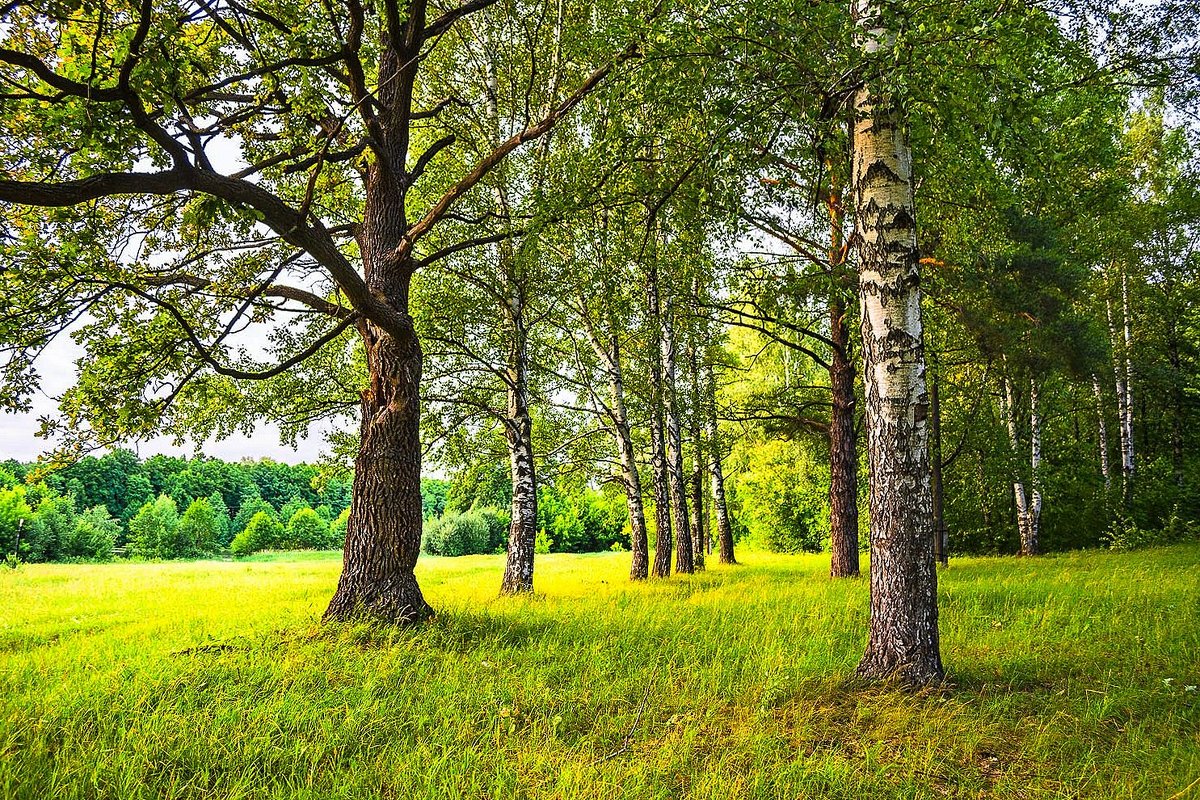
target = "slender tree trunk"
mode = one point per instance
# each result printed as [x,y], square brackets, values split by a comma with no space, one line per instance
[843,444]
[696,521]
[1008,405]
[1123,370]
[940,543]
[1102,429]
[717,474]
[843,449]
[1029,545]
[610,358]
[903,639]
[518,430]
[674,441]
[658,445]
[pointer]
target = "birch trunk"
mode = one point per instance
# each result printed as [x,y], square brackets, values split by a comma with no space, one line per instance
[696,480]
[1029,545]
[1122,370]
[658,448]
[1008,411]
[716,473]
[518,430]
[903,637]
[1102,430]
[610,359]
[674,442]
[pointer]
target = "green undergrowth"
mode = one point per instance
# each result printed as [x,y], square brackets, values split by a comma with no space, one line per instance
[1071,677]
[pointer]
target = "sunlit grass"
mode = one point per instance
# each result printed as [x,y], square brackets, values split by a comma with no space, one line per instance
[1071,678]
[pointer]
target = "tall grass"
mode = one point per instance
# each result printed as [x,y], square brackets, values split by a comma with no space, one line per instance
[1070,676]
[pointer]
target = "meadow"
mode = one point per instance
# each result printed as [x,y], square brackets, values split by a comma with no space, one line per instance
[1071,676]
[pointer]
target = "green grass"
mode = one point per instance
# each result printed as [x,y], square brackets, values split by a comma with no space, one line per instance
[214,680]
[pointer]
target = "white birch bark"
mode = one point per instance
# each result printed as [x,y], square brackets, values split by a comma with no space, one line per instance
[1008,411]
[903,637]
[1102,429]
[1029,546]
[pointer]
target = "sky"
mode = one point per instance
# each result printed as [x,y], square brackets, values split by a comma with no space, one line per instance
[57,367]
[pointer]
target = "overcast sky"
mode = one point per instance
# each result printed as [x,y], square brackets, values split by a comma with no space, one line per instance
[57,367]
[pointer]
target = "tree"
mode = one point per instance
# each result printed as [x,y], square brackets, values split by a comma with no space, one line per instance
[903,638]
[345,182]
[200,527]
[153,530]
[264,532]
[306,531]
[93,537]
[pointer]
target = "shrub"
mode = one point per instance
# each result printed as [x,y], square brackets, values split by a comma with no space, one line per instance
[543,542]
[152,531]
[306,531]
[337,530]
[199,529]
[93,537]
[457,535]
[262,533]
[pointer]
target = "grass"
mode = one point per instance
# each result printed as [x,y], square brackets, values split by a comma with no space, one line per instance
[1070,674]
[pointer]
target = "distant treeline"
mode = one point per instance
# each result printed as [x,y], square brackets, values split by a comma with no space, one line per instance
[171,507]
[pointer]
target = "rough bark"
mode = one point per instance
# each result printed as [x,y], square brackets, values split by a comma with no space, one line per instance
[843,444]
[903,640]
[674,442]
[518,432]
[383,533]
[716,473]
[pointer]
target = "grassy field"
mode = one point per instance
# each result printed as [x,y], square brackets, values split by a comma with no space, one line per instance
[1072,676]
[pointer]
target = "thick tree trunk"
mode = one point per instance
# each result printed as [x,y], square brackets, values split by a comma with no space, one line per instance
[1102,430]
[903,639]
[717,474]
[518,430]
[940,538]
[658,446]
[674,442]
[843,449]
[383,534]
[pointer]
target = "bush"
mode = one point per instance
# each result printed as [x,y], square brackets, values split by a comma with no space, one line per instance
[93,537]
[543,542]
[153,530]
[200,529]
[262,533]
[306,531]
[457,534]
[337,530]
[498,521]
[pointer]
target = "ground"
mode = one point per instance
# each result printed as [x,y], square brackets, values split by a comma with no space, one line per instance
[1072,676]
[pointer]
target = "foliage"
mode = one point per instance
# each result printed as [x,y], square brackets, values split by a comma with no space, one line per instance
[93,537]
[201,527]
[306,531]
[457,534]
[154,531]
[263,532]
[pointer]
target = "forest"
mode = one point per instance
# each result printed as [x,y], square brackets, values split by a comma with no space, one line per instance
[634,307]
